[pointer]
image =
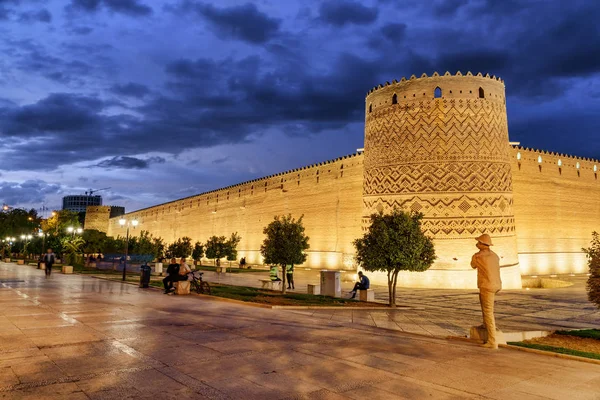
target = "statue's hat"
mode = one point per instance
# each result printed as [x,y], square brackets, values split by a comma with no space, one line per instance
[485,239]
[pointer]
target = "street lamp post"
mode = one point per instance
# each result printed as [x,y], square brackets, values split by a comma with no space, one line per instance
[123,222]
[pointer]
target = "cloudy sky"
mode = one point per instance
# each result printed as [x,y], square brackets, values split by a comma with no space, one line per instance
[160,99]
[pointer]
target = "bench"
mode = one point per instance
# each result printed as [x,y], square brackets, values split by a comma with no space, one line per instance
[269,284]
[182,287]
[314,289]
[366,295]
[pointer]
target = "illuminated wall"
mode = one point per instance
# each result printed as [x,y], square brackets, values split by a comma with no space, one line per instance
[328,194]
[444,153]
[557,206]
[439,145]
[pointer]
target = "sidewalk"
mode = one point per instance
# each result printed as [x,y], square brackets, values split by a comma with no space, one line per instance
[76,337]
[443,312]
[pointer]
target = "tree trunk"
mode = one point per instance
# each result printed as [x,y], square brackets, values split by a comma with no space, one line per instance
[395,278]
[283,279]
[389,279]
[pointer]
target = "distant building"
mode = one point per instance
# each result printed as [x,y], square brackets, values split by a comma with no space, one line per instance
[79,203]
[116,211]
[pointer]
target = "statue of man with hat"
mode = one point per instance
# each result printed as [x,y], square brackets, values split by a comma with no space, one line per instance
[487,264]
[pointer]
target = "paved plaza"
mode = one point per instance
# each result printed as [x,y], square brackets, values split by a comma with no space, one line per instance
[442,313]
[77,337]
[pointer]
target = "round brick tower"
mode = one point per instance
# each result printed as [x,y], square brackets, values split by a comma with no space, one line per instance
[439,145]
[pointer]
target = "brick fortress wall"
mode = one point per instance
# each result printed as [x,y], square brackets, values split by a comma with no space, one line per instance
[328,194]
[556,210]
[447,157]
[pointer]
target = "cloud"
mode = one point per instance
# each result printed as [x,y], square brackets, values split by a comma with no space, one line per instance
[394,31]
[27,192]
[131,90]
[42,15]
[126,162]
[82,30]
[134,8]
[245,22]
[342,12]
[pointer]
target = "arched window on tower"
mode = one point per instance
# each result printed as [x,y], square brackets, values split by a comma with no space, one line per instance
[370,107]
[481,93]
[395,99]
[437,93]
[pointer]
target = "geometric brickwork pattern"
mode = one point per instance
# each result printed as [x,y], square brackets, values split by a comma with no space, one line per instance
[432,177]
[448,216]
[447,157]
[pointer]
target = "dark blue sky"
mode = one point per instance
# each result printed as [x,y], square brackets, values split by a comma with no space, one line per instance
[165,99]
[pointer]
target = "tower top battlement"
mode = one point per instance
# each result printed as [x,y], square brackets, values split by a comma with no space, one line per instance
[446,87]
[435,75]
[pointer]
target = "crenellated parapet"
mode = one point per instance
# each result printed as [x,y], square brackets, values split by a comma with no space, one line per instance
[447,87]
[549,161]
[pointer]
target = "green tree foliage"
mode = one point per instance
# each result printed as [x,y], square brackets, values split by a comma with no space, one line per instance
[198,251]
[95,241]
[57,224]
[181,248]
[285,243]
[159,248]
[145,243]
[72,249]
[114,245]
[15,222]
[216,248]
[231,247]
[394,243]
[593,282]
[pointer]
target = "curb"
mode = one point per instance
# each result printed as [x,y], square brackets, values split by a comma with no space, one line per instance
[550,354]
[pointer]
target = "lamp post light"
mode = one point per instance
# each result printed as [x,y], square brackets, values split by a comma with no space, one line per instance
[133,223]
[43,236]
[73,231]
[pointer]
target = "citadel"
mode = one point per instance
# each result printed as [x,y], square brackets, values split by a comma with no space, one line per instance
[435,144]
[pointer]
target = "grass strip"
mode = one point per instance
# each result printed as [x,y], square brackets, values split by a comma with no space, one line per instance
[262,296]
[554,349]
[584,333]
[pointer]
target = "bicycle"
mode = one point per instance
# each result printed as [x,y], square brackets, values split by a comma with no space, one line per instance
[199,285]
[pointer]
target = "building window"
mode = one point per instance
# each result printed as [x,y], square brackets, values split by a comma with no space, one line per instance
[395,99]
[481,93]
[437,93]
[370,107]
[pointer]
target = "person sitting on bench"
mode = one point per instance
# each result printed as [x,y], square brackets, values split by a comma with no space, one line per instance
[172,275]
[273,274]
[363,284]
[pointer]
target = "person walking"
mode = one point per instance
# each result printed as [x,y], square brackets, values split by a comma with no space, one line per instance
[289,275]
[49,260]
[489,283]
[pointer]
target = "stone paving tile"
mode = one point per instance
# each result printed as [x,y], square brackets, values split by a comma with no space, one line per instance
[122,342]
[59,391]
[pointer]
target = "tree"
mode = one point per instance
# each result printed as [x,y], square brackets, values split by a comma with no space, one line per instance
[58,223]
[181,248]
[94,241]
[17,221]
[72,247]
[393,243]
[216,248]
[593,282]
[231,247]
[285,243]
[198,252]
